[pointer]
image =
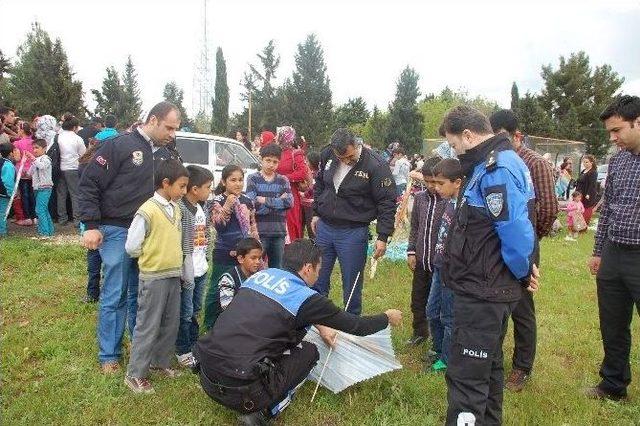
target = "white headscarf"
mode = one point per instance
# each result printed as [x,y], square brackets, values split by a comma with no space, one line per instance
[47,128]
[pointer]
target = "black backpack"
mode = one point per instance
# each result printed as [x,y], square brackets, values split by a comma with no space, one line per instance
[54,154]
[3,189]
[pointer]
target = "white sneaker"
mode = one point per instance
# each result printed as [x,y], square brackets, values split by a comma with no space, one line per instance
[186,360]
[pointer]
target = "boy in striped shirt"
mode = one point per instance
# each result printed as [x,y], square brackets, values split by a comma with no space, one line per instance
[271,193]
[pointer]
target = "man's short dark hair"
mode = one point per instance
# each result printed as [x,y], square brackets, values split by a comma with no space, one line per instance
[429,164]
[97,120]
[627,107]
[110,121]
[504,119]
[70,122]
[245,245]
[198,176]
[465,117]
[341,139]
[449,168]
[271,150]
[41,143]
[299,253]
[313,158]
[161,110]
[5,149]
[169,169]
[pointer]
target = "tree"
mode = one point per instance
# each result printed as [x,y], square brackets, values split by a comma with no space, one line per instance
[574,95]
[405,119]
[131,104]
[375,130]
[202,123]
[532,118]
[306,97]
[110,99]
[174,94]
[5,67]
[434,107]
[352,113]
[41,80]
[515,97]
[220,111]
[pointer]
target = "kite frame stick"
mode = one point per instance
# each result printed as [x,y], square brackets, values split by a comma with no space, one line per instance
[15,186]
[326,361]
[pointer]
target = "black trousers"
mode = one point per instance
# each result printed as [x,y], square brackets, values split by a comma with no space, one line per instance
[618,282]
[264,393]
[524,332]
[420,286]
[475,376]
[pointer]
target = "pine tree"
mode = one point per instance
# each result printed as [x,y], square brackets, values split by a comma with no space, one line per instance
[174,94]
[532,118]
[306,97]
[260,81]
[573,97]
[515,97]
[5,66]
[110,99]
[220,111]
[131,103]
[405,119]
[41,80]
[376,129]
[352,113]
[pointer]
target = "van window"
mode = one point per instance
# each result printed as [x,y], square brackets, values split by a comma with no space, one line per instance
[194,151]
[229,153]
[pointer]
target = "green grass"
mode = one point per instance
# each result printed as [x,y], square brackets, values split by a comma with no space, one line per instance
[50,373]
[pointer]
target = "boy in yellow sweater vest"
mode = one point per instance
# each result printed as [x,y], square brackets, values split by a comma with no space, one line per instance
[155,238]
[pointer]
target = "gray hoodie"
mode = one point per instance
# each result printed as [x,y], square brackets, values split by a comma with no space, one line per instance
[40,172]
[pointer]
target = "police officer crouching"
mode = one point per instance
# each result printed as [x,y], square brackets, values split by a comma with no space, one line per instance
[488,263]
[254,359]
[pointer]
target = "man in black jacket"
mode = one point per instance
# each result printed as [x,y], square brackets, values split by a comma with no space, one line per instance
[353,187]
[112,188]
[253,363]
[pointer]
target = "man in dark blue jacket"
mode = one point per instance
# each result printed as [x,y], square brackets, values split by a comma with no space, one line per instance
[488,262]
[353,187]
[112,188]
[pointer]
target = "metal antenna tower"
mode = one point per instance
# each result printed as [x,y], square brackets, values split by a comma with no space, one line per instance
[202,81]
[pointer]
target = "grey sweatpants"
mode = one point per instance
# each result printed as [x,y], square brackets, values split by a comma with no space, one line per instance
[67,184]
[157,323]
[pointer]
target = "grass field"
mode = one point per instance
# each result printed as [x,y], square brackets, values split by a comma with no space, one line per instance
[50,373]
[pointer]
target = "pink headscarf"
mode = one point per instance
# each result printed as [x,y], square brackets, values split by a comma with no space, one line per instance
[285,136]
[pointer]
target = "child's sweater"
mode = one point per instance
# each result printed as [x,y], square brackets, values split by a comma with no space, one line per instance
[7,177]
[195,240]
[573,208]
[425,223]
[231,226]
[40,172]
[272,215]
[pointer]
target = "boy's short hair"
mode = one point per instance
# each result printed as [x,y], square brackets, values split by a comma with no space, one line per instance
[271,150]
[299,253]
[399,150]
[449,168]
[41,143]
[6,149]
[576,194]
[245,245]
[198,176]
[429,164]
[313,158]
[169,169]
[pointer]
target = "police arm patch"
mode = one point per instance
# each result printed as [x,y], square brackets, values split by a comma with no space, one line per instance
[496,200]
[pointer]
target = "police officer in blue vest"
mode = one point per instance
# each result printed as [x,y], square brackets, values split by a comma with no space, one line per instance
[488,263]
[253,359]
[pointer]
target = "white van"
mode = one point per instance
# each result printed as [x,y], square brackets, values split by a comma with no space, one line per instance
[215,152]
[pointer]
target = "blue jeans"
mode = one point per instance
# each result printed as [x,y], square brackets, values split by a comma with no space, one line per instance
[94,267]
[4,204]
[190,305]
[440,315]
[28,199]
[273,246]
[45,224]
[349,246]
[119,295]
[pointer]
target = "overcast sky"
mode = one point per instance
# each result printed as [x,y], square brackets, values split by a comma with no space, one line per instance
[480,47]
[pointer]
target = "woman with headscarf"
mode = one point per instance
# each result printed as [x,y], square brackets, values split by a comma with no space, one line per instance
[294,167]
